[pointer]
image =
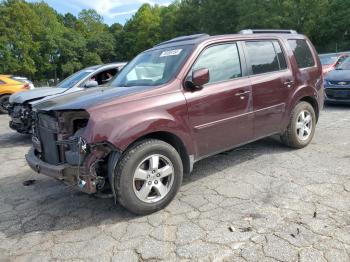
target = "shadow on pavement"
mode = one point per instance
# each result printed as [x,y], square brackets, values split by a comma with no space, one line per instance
[48,205]
[13,139]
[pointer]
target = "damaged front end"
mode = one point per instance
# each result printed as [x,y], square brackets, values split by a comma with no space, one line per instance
[60,150]
[21,118]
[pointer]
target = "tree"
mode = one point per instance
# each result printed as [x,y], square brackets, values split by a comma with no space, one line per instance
[19,38]
[98,37]
[37,42]
[142,31]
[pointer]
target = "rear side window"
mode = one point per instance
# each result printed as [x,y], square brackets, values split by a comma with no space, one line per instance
[265,56]
[302,53]
[280,55]
[2,82]
[222,61]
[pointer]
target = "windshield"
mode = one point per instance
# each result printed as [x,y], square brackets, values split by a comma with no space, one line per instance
[75,78]
[153,68]
[328,59]
[345,65]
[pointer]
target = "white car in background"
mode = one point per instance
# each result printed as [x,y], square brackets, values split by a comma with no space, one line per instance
[19,108]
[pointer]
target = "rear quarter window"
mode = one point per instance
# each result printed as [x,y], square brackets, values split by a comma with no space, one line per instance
[2,82]
[302,53]
[265,56]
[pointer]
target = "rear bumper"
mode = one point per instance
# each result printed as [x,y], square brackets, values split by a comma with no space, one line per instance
[65,173]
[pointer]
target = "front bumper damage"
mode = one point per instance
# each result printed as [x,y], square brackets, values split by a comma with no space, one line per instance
[64,172]
[88,172]
[21,119]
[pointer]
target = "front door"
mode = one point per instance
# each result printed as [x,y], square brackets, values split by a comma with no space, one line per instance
[221,113]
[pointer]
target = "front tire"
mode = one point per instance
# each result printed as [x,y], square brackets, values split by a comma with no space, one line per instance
[4,102]
[148,176]
[301,128]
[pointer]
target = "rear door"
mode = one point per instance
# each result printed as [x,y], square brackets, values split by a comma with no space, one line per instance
[272,82]
[220,113]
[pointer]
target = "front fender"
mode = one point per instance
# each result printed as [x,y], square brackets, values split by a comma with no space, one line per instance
[127,132]
[123,124]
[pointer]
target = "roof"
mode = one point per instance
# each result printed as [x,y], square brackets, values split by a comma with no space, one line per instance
[248,33]
[267,31]
[182,40]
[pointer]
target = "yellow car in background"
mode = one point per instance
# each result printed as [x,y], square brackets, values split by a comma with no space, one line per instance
[9,85]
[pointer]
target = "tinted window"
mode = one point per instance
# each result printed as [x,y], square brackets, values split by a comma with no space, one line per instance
[302,53]
[280,55]
[2,82]
[222,61]
[263,57]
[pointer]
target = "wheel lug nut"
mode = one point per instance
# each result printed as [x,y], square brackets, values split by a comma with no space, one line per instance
[158,175]
[153,171]
[156,182]
[150,183]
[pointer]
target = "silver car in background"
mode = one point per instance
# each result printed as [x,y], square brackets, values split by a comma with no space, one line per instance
[20,109]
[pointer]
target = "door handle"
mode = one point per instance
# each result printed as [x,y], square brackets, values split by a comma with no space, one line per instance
[242,93]
[289,83]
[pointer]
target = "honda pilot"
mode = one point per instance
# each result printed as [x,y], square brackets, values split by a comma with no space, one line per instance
[175,104]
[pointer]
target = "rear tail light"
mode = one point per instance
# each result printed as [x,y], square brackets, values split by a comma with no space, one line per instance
[26,86]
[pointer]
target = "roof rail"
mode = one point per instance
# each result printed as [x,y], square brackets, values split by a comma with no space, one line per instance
[267,31]
[184,38]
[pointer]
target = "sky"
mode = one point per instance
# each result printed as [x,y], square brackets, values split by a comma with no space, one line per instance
[112,11]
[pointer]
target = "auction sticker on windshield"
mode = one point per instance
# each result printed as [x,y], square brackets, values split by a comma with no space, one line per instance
[171,53]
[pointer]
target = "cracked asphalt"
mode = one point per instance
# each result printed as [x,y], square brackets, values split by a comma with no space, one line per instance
[260,202]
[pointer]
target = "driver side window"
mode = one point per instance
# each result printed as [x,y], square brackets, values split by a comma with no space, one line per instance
[222,61]
[102,78]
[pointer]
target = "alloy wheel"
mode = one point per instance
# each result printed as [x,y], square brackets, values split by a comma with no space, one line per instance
[153,178]
[304,125]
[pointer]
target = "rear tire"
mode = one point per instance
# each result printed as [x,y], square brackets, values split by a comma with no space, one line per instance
[301,128]
[148,176]
[4,101]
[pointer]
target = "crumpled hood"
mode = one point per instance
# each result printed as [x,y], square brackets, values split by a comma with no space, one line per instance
[339,75]
[87,98]
[35,94]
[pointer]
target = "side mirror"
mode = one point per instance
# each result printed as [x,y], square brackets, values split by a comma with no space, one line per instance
[200,77]
[90,84]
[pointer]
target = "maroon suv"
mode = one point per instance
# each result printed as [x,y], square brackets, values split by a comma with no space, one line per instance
[175,104]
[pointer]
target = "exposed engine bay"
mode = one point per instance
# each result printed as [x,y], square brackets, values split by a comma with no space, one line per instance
[58,140]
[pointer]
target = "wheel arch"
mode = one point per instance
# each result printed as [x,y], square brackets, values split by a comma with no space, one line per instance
[1,96]
[305,94]
[174,141]
[6,94]
[313,101]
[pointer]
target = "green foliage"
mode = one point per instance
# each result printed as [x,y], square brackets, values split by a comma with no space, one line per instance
[37,42]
